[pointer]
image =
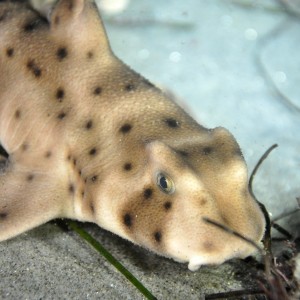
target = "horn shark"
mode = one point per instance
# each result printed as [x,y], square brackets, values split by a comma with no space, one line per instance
[87,138]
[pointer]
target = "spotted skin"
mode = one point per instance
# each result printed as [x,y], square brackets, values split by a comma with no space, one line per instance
[87,138]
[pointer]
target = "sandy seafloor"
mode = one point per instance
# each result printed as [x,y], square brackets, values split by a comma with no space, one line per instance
[234,64]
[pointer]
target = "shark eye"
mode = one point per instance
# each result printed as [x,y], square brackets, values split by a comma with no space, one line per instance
[165,183]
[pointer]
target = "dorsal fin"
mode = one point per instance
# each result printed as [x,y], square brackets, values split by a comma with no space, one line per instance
[78,22]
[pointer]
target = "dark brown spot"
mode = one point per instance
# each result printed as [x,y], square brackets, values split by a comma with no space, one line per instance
[94,178]
[203,201]
[172,122]
[3,215]
[3,16]
[93,151]
[157,236]
[48,154]
[126,128]
[71,188]
[129,87]
[97,90]
[79,172]
[57,20]
[61,115]
[61,53]
[24,147]
[74,161]
[71,5]
[60,94]
[127,219]
[89,124]
[10,52]
[127,166]
[32,25]
[183,153]
[90,55]
[17,114]
[148,193]
[31,65]
[208,246]
[30,177]
[168,205]
[92,207]
[207,150]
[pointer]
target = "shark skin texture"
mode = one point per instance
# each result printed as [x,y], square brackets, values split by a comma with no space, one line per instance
[87,138]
